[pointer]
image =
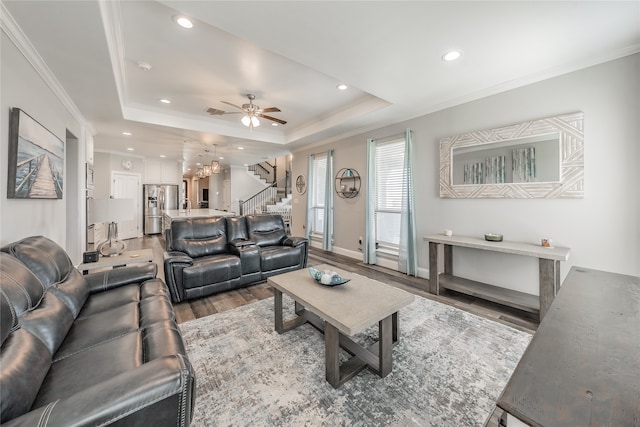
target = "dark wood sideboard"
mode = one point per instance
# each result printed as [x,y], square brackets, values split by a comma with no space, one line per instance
[582,367]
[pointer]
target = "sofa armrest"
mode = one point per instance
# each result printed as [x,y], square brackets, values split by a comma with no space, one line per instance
[174,263]
[176,257]
[108,279]
[295,241]
[159,393]
[240,243]
[249,254]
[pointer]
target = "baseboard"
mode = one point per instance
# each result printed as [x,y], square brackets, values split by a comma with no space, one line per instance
[348,252]
[382,262]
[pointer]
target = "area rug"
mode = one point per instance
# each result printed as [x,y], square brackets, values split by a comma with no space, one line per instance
[448,369]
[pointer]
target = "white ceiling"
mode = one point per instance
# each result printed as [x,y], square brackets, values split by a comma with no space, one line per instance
[291,55]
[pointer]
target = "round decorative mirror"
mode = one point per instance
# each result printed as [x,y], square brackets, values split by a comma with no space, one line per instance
[301,185]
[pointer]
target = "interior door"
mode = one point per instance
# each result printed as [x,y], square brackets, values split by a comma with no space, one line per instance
[128,186]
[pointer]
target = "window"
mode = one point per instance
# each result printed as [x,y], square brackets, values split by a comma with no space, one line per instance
[318,194]
[388,192]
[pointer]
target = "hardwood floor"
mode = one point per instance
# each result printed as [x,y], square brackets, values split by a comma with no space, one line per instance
[194,309]
[189,310]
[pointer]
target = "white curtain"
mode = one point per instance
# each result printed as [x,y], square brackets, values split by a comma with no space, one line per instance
[327,237]
[310,193]
[407,257]
[370,200]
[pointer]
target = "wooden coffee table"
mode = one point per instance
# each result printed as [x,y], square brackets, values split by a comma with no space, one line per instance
[340,312]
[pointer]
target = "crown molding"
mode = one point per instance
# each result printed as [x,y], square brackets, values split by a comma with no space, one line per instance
[112,23]
[11,28]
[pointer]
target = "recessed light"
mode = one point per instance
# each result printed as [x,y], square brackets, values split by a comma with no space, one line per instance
[451,55]
[126,133]
[129,149]
[342,86]
[246,164]
[274,124]
[183,21]
[220,158]
[240,148]
[163,156]
[165,101]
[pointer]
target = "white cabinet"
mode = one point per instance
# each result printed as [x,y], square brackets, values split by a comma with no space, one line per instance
[161,172]
[170,174]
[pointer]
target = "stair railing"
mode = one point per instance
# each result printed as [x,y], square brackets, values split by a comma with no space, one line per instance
[259,201]
[264,170]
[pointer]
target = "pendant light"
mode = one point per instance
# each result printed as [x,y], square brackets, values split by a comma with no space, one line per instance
[215,164]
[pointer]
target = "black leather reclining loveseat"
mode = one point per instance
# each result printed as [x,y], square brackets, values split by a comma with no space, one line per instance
[78,350]
[209,255]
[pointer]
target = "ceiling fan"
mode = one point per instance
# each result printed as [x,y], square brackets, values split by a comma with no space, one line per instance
[251,112]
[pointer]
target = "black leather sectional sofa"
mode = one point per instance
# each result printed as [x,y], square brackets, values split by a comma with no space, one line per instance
[210,255]
[100,349]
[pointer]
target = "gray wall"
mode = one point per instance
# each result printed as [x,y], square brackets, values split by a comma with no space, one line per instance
[602,229]
[22,86]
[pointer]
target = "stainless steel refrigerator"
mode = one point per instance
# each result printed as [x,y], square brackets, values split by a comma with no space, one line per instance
[157,198]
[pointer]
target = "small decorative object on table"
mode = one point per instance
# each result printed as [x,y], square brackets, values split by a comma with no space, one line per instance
[546,243]
[493,237]
[326,277]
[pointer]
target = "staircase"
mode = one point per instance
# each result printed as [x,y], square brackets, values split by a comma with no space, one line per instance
[275,198]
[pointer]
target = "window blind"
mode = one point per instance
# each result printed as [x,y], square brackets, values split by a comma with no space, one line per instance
[388,199]
[319,184]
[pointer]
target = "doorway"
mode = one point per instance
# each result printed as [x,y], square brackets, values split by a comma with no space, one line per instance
[73,195]
[126,185]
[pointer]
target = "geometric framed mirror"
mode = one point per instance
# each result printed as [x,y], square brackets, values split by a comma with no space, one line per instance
[537,159]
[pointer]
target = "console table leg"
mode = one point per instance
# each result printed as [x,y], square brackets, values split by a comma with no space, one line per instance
[434,286]
[549,271]
[448,259]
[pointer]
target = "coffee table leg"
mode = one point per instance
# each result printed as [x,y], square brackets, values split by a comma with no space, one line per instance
[277,308]
[385,342]
[331,352]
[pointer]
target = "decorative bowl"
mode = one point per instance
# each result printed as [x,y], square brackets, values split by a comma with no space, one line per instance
[331,278]
[492,237]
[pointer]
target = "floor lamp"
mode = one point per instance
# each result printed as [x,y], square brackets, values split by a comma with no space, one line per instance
[111,211]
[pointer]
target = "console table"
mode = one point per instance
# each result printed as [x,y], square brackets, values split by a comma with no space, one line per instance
[549,268]
[582,367]
[125,258]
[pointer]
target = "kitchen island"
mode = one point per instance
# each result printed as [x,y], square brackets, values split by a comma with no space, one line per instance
[171,214]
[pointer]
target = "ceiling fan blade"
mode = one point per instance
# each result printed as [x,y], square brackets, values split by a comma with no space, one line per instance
[216,112]
[233,105]
[270,110]
[282,122]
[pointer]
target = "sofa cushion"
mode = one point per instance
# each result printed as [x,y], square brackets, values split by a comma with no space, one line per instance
[43,314]
[198,237]
[25,362]
[24,358]
[278,257]
[97,364]
[212,269]
[266,230]
[20,285]
[53,267]
[237,228]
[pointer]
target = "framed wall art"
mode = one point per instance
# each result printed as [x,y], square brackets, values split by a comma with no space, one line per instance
[36,159]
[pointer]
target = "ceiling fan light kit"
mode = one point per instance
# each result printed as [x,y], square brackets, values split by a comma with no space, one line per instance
[252,112]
